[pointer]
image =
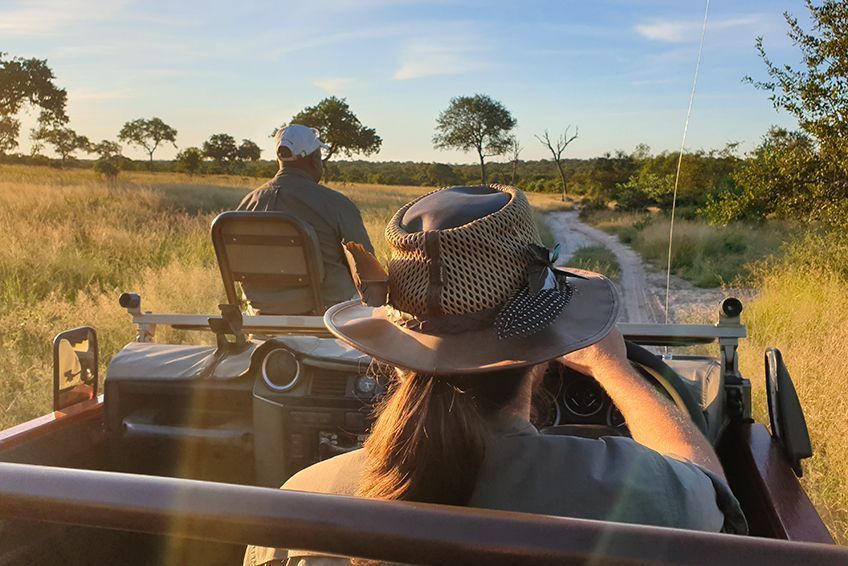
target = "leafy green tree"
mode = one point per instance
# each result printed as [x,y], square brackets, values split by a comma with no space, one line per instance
[816,94]
[106,149]
[222,149]
[108,163]
[65,141]
[475,122]
[248,151]
[190,159]
[28,82]
[438,174]
[339,128]
[148,134]
[781,179]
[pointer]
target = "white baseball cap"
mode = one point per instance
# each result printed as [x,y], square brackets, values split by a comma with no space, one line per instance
[300,140]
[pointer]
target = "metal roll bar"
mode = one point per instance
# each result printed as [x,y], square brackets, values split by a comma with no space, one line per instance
[379,530]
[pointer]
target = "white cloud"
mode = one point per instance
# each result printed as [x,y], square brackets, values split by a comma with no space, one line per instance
[333,85]
[427,58]
[679,31]
[41,17]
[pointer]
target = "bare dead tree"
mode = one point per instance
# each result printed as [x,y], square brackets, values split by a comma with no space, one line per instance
[515,153]
[556,149]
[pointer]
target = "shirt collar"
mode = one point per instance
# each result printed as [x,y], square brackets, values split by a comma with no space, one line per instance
[294,171]
[511,425]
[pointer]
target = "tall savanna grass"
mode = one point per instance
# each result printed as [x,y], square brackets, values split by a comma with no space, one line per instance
[802,309]
[72,244]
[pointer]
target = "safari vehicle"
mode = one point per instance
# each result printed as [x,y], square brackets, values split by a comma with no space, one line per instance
[178,459]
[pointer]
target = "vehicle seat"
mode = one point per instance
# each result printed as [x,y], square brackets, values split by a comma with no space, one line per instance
[272,259]
[703,378]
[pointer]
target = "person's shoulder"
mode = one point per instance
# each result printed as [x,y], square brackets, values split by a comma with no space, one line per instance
[253,199]
[335,195]
[339,475]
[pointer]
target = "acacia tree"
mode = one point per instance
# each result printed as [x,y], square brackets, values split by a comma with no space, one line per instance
[222,149]
[28,82]
[475,122]
[556,148]
[190,159]
[339,128]
[248,151]
[816,94]
[65,141]
[148,134]
[515,150]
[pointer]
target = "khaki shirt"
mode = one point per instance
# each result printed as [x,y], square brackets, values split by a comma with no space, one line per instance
[332,215]
[608,479]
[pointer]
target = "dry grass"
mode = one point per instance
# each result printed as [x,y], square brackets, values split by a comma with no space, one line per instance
[73,244]
[804,313]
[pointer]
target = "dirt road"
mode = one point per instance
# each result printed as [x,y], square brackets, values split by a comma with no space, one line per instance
[642,288]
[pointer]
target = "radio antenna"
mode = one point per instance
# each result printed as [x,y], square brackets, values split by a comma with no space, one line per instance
[680,159]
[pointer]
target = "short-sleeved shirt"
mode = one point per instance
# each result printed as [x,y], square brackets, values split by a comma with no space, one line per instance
[332,215]
[608,479]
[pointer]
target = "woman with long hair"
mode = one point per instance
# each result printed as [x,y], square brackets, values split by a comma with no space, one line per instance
[469,315]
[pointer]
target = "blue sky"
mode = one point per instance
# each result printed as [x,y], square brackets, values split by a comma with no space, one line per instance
[620,70]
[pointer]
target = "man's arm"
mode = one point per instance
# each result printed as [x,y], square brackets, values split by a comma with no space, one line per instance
[351,227]
[653,420]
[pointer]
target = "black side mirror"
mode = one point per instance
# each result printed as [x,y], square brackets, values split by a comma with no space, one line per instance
[788,425]
[75,374]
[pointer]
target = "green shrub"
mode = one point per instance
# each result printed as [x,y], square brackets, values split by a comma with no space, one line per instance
[596,258]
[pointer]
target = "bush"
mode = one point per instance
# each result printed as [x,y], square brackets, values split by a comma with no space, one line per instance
[596,258]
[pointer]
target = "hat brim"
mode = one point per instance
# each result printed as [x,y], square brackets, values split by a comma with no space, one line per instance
[588,317]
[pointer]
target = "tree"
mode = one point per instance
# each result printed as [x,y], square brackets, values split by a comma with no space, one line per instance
[339,128]
[248,151]
[190,159]
[816,93]
[65,141]
[28,82]
[221,148]
[515,155]
[106,149]
[148,134]
[556,149]
[475,122]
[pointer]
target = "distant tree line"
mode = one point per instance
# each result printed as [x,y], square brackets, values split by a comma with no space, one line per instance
[799,175]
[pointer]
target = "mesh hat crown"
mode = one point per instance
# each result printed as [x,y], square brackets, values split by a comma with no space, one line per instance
[465,269]
[469,289]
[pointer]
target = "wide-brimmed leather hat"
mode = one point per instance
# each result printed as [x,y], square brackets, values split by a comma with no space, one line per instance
[470,289]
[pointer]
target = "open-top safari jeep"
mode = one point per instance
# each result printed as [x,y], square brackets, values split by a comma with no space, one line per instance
[179,458]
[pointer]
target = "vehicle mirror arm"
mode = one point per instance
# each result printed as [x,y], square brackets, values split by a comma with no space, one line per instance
[132,303]
[737,388]
[230,324]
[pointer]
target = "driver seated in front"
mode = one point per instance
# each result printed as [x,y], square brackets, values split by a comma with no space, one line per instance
[296,190]
[475,311]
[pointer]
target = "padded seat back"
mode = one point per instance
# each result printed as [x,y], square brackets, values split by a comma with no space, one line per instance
[274,259]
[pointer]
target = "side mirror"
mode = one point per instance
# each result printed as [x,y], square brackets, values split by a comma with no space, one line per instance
[788,425]
[75,374]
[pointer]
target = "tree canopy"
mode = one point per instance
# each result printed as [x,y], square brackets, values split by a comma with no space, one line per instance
[148,134]
[28,82]
[802,175]
[339,128]
[65,141]
[248,151]
[475,122]
[221,148]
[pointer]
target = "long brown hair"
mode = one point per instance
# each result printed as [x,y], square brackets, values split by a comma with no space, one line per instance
[428,440]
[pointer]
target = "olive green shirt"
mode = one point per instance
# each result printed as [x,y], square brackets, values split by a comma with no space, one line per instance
[608,479]
[332,215]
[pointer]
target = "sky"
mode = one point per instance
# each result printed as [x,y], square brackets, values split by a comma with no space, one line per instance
[620,70]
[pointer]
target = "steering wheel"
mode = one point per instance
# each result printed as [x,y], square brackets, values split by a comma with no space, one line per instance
[656,372]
